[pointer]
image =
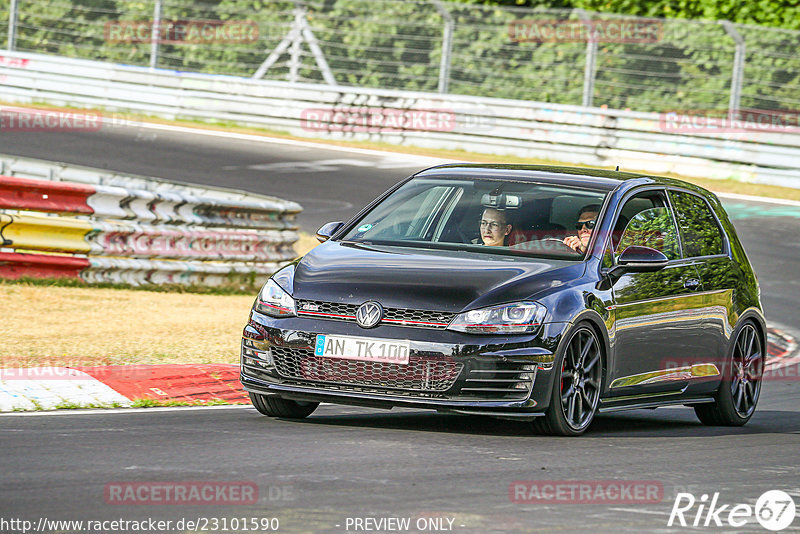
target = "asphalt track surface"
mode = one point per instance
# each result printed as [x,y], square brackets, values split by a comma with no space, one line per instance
[353,463]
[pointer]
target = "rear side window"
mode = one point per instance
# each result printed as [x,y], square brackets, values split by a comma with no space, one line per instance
[651,228]
[700,232]
[645,220]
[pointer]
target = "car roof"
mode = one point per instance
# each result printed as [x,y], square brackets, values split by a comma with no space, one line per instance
[590,178]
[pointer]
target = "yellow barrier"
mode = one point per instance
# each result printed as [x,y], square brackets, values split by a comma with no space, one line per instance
[4,221]
[57,234]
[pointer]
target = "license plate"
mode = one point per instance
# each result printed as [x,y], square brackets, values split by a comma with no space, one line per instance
[365,349]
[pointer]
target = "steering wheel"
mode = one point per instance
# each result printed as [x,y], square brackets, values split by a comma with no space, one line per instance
[563,246]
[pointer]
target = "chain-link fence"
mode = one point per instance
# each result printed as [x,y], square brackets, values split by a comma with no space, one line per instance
[559,56]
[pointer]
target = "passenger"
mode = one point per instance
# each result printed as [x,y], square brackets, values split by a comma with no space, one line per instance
[495,228]
[587,219]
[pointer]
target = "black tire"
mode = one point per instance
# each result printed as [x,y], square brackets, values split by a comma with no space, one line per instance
[273,406]
[737,396]
[573,405]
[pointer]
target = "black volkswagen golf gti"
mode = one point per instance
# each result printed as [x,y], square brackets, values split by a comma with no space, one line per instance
[545,294]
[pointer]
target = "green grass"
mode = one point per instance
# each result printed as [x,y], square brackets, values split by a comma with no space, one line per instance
[224,290]
[153,403]
[68,405]
[119,326]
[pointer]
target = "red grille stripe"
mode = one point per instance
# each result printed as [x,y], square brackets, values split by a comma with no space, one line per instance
[407,321]
[304,312]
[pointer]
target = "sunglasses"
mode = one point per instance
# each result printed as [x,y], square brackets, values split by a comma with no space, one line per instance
[588,224]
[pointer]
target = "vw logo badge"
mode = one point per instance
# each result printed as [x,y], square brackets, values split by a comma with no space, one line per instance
[369,314]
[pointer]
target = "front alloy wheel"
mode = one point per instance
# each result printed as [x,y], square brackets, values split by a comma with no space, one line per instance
[576,389]
[741,387]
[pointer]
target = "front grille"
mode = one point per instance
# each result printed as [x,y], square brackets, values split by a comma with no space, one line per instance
[503,380]
[331,310]
[420,374]
[396,316]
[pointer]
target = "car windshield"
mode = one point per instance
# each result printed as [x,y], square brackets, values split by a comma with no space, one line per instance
[505,217]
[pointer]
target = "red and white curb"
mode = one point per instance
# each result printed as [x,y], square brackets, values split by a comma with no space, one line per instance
[41,390]
[783,359]
[48,388]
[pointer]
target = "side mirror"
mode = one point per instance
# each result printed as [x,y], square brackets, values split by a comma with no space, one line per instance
[634,259]
[327,230]
[637,259]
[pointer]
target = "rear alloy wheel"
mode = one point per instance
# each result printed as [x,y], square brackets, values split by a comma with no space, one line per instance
[576,388]
[277,407]
[741,385]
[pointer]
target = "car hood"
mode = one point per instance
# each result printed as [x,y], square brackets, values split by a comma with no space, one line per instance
[441,280]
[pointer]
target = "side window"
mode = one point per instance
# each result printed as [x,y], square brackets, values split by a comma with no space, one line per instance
[608,258]
[700,232]
[647,221]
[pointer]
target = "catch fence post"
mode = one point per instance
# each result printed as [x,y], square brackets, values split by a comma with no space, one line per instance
[156,34]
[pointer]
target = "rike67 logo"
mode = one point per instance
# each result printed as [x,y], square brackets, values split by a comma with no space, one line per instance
[774,510]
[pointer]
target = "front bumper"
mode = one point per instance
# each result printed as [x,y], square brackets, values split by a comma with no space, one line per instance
[501,376]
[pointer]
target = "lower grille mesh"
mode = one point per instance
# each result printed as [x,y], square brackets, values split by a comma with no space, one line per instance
[420,374]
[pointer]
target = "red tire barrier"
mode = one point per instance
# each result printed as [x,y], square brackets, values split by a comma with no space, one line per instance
[15,265]
[44,195]
[135,231]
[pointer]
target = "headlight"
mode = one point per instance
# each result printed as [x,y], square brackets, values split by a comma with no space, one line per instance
[274,301]
[517,318]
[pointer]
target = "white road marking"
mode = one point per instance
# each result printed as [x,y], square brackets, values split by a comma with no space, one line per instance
[423,160]
[327,165]
[781,201]
[637,511]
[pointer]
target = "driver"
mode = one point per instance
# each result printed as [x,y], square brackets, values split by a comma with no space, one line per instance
[494,228]
[587,219]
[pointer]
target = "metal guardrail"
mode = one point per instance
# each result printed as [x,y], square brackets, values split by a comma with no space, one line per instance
[646,142]
[527,53]
[137,231]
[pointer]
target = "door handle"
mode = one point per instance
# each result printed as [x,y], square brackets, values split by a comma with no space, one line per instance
[691,283]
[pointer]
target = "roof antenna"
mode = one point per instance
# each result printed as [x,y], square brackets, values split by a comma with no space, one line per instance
[617,168]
